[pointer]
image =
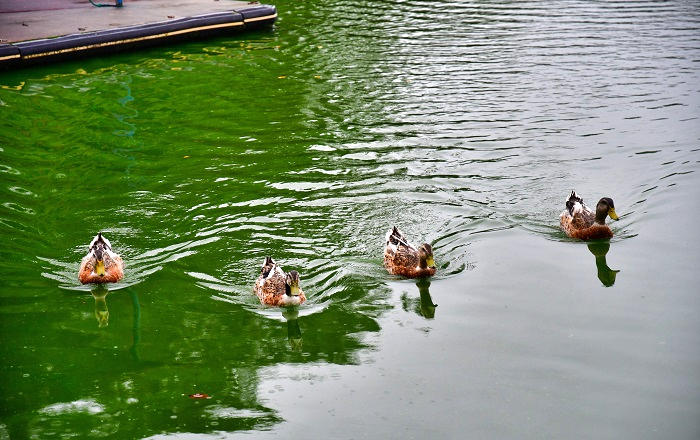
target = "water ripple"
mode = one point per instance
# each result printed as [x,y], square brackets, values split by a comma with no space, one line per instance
[136,268]
[455,121]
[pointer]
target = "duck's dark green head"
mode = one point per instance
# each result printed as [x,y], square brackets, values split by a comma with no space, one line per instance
[425,253]
[292,283]
[604,208]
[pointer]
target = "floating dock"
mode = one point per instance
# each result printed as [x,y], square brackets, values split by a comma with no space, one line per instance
[41,31]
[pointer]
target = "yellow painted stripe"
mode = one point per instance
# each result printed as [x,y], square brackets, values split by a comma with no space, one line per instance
[266,17]
[132,40]
[8,57]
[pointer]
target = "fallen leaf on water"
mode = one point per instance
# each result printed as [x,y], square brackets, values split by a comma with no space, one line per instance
[18,87]
[199,396]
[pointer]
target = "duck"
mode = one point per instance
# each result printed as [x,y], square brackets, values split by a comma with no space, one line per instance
[579,221]
[101,265]
[276,288]
[404,259]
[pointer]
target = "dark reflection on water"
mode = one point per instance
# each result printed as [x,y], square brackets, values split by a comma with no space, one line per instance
[606,275]
[293,329]
[423,305]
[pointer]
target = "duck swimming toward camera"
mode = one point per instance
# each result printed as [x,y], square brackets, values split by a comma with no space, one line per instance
[276,288]
[578,221]
[402,258]
[101,264]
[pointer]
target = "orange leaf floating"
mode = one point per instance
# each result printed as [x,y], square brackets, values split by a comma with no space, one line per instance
[199,396]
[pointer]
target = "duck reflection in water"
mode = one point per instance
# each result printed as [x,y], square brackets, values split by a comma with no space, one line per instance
[291,315]
[423,306]
[606,275]
[100,293]
[101,311]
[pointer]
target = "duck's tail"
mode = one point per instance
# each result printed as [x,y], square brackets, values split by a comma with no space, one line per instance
[572,201]
[395,238]
[100,241]
[99,245]
[267,267]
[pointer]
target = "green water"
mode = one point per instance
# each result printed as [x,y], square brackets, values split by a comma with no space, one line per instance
[465,124]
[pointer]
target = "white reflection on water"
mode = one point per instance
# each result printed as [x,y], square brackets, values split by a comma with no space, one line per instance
[88,406]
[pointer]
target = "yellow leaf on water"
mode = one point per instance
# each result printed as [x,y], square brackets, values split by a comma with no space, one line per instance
[17,87]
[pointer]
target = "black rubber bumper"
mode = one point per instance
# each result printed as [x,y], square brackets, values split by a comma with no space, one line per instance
[132,37]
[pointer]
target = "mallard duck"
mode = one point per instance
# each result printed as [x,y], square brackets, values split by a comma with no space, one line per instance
[402,258]
[101,265]
[578,221]
[275,288]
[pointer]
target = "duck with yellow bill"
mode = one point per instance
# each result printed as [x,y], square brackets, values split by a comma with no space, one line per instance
[579,221]
[101,264]
[403,258]
[274,287]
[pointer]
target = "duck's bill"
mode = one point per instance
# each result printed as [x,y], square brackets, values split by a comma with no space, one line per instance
[613,214]
[430,261]
[294,290]
[100,268]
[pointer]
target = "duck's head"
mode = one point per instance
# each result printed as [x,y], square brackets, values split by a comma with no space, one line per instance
[425,253]
[292,283]
[604,208]
[98,246]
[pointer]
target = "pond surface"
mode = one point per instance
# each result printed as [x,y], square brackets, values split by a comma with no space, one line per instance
[466,124]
